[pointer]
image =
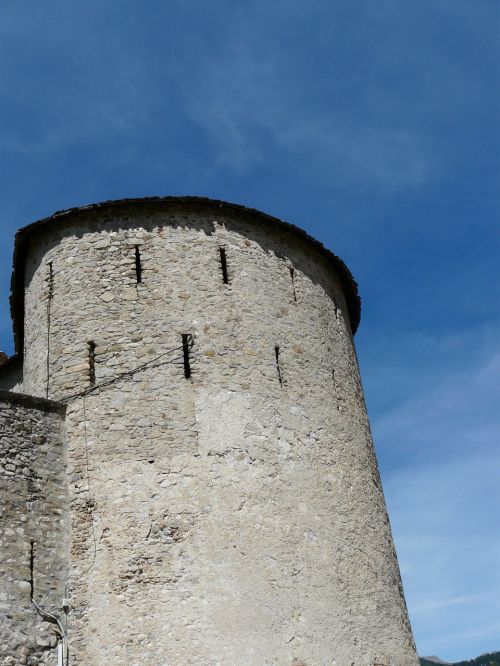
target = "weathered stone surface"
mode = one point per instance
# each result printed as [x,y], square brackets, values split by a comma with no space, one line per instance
[235,517]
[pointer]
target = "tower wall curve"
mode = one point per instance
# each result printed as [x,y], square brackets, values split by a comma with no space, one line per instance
[226,505]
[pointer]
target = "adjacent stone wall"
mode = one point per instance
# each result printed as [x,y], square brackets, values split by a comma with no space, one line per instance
[235,516]
[34,527]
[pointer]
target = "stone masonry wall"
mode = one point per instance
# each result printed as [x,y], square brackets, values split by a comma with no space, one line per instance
[235,516]
[33,528]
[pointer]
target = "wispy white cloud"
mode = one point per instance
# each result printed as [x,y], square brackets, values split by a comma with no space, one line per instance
[256,99]
[252,110]
[445,510]
[266,84]
[426,606]
[459,413]
[446,528]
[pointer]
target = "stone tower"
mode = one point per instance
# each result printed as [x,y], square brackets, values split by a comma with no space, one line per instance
[188,475]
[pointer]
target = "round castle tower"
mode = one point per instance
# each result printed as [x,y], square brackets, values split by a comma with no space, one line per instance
[225,506]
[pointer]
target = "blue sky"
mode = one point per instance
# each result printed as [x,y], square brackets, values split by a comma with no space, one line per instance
[374,126]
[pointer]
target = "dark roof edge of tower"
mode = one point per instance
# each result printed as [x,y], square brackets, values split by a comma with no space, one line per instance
[21,244]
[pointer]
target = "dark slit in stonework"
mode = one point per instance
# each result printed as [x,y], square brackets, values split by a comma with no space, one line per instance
[278,367]
[223,265]
[92,363]
[138,265]
[50,279]
[32,569]
[186,344]
[292,275]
